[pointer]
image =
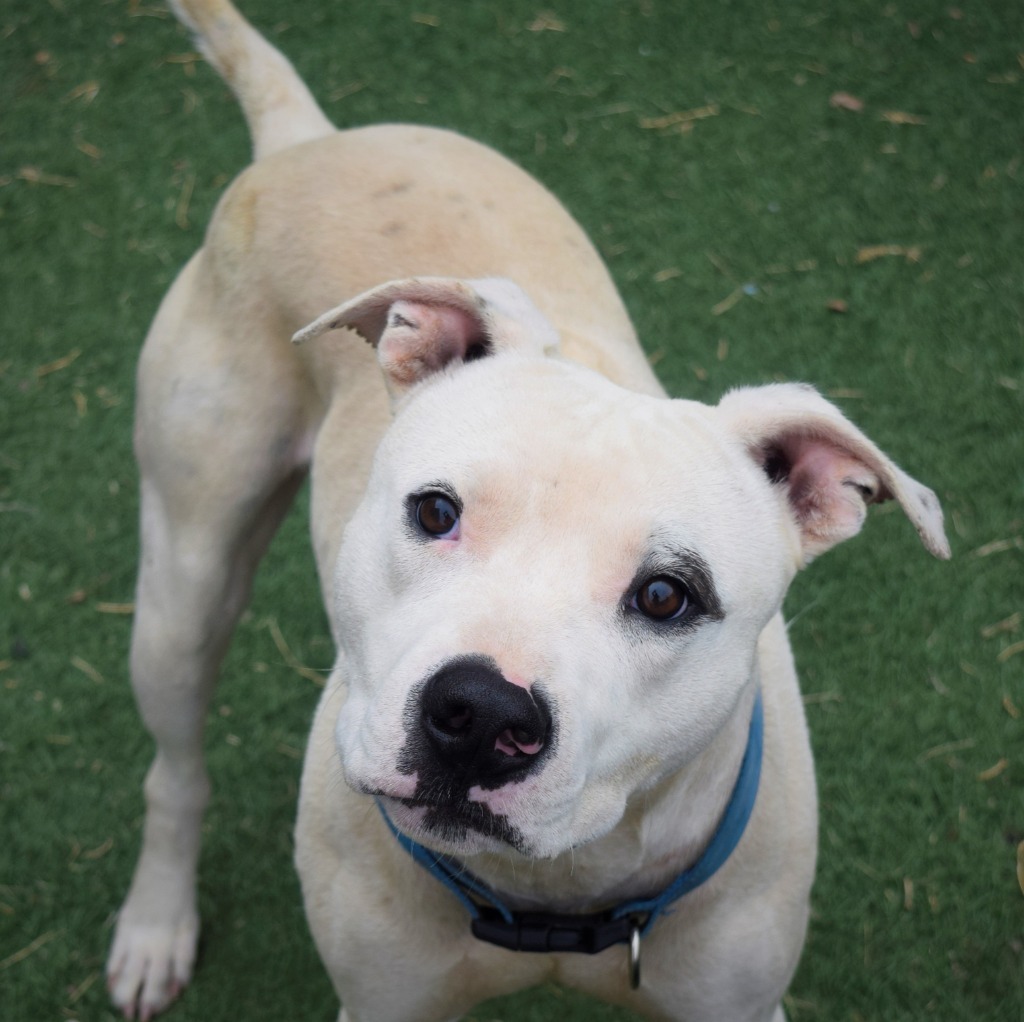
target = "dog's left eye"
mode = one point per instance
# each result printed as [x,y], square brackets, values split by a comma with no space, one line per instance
[663,598]
[437,515]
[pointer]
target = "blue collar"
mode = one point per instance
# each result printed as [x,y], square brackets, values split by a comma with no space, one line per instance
[493,921]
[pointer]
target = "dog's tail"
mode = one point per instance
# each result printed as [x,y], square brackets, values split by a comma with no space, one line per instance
[278,107]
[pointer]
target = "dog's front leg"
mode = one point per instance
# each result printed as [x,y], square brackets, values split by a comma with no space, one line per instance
[187,603]
[221,456]
[158,926]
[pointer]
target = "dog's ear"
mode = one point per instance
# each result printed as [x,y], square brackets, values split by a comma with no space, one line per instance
[421,325]
[830,470]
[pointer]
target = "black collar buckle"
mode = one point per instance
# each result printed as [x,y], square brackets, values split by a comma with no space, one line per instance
[551,931]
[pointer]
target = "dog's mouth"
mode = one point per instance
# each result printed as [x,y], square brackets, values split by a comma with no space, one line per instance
[456,823]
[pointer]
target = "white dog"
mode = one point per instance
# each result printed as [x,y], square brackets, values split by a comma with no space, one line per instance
[563,703]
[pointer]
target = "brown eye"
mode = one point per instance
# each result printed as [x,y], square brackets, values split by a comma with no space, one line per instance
[437,515]
[662,598]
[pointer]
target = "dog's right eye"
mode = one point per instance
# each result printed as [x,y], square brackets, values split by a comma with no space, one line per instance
[663,598]
[437,516]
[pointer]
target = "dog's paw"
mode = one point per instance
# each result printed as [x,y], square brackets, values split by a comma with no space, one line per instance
[150,964]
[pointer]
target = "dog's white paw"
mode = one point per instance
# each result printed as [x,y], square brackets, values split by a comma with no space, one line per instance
[150,964]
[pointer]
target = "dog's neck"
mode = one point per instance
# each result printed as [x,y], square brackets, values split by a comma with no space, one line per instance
[663,831]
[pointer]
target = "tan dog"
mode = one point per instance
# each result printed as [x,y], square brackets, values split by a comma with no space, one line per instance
[555,593]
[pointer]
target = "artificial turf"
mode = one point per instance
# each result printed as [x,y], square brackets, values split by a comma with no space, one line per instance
[839,198]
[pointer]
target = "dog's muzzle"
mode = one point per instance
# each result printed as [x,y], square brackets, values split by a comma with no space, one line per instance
[481,729]
[495,922]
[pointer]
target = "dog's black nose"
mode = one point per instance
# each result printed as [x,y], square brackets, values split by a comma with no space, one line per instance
[481,728]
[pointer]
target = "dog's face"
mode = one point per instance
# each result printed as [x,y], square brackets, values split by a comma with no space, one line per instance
[551,594]
[549,598]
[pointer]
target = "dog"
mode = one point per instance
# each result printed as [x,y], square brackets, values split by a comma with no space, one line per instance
[563,737]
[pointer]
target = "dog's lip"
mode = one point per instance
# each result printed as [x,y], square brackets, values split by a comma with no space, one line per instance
[411,815]
[452,808]
[391,801]
[431,820]
[392,798]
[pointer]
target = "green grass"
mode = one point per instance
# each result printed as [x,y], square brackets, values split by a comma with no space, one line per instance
[112,154]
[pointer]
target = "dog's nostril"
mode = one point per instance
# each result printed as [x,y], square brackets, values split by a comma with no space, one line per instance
[518,742]
[458,720]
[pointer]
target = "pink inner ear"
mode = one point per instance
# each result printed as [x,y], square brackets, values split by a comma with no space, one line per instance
[420,339]
[828,490]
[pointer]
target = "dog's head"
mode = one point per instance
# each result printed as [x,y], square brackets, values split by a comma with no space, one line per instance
[551,594]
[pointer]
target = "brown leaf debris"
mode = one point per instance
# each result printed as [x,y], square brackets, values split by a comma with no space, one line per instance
[869,253]
[681,117]
[845,101]
[900,117]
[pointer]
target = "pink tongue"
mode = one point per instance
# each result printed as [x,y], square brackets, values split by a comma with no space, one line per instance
[507,743]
